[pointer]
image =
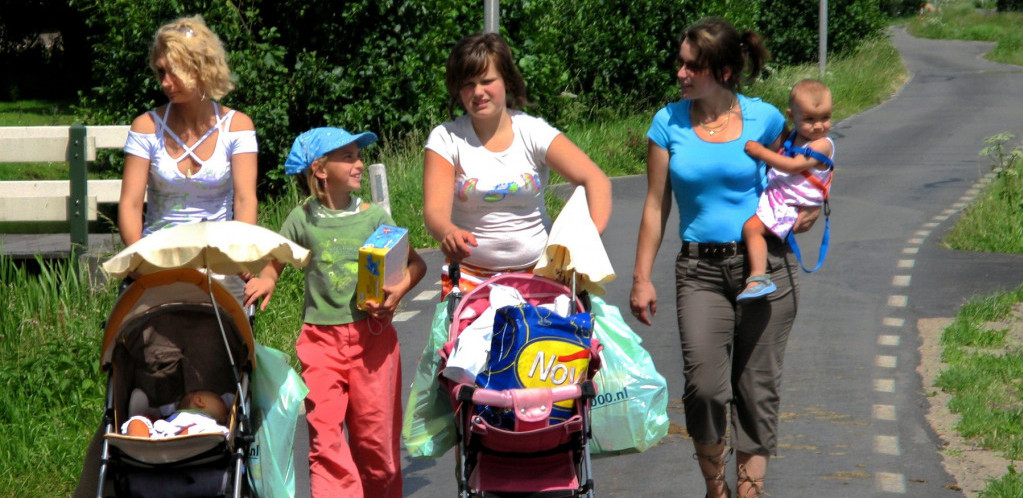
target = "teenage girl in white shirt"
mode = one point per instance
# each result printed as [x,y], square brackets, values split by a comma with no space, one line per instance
[485,171]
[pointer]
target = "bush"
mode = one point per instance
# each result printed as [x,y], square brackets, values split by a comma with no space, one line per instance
[1009,5]
[41,43]
[584,55]
[379,64]
[900,8]
[792,28]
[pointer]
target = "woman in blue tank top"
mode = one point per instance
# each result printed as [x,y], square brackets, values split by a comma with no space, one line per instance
[732,352]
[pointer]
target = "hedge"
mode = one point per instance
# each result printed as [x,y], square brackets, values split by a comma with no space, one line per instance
[379,64]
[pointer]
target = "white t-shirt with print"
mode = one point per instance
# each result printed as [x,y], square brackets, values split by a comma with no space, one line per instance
[499,195]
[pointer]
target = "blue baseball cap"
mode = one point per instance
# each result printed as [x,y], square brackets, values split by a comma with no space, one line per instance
[319,142]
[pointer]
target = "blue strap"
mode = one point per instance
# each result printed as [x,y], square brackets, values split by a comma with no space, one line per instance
[791,151]
[825,239]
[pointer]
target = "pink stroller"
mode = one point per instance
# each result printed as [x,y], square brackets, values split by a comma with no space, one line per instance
[531,440]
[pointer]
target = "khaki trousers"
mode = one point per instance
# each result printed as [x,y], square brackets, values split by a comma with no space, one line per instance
[733,354]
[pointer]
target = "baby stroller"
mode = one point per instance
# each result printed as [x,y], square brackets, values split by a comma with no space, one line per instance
[174,331]
[522,441]
[166,337]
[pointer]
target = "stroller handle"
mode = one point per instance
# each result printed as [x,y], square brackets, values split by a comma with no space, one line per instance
[505,398]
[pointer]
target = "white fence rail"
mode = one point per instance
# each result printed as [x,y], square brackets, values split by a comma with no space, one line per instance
[74,200]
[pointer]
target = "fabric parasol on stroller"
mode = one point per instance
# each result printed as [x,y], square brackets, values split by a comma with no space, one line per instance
[176,330]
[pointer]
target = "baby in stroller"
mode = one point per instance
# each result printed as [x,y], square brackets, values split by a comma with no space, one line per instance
[198,412]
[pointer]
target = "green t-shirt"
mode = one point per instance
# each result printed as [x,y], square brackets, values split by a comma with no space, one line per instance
[333,239]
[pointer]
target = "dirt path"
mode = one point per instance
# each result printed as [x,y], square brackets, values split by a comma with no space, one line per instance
[971,465]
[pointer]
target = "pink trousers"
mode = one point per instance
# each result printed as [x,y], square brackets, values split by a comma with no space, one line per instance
[353,372]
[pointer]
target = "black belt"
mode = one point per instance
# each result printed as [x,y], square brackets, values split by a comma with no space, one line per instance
[713,250]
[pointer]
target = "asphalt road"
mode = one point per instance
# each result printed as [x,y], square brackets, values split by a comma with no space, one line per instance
[853,407]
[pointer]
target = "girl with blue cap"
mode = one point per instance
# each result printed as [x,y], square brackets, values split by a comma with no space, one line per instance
[350,357]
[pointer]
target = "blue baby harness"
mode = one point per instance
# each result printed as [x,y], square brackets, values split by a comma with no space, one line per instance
[789,151]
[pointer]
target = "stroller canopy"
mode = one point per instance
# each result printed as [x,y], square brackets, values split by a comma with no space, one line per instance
[177,289]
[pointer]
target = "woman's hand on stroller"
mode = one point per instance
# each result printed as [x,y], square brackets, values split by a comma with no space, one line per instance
[457,244]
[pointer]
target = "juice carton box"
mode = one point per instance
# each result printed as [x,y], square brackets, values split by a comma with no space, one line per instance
[382,261]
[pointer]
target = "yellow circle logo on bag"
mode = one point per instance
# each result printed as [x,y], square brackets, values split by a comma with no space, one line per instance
[551,363]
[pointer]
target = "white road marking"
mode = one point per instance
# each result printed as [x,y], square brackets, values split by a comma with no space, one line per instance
[886,361]
[884,412]
[884,385]
[901,280]
[404,316]
[890,482]
[893,322]
[886,445]
[906,263]
[888,340]
[898,301]
[427,295]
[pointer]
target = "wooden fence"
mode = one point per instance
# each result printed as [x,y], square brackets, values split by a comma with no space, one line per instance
[63,206]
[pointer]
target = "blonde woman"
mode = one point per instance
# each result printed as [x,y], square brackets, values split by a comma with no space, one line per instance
[190,159]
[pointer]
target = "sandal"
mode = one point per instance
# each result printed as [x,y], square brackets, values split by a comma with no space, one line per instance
[763,287]
[756,485]
[718,461]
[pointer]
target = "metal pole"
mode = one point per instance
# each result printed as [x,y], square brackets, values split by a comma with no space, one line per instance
[823,49]
[491,16]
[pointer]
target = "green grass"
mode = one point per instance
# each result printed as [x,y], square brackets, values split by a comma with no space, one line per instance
[50,330]
[961,20]
[994,222]
[983,353]
[984,376]
[34,113]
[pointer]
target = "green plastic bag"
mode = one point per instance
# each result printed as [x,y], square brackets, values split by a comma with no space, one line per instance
[629,413]
[428,428]
[277,396]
